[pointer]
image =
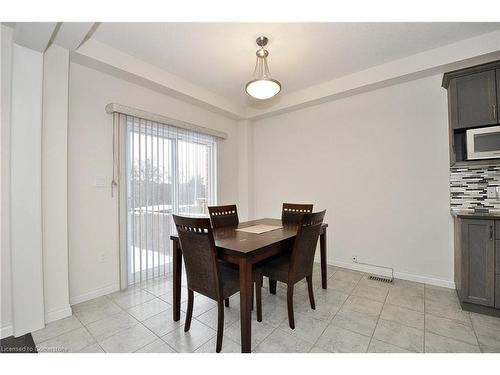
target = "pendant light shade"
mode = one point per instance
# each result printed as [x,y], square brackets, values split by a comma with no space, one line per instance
[262,86]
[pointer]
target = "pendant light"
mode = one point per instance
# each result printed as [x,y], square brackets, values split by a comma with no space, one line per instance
[262,86]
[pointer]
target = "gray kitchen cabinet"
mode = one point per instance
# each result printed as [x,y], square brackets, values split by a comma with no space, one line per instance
[497,258]
[498,94]
[497,292]
[477,269]
[473,100]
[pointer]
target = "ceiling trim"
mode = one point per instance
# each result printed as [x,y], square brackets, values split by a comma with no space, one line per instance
[34,35]
[467,52]
[100,56]
[71,34]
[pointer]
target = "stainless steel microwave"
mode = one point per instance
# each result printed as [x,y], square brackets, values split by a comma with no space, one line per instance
[483,143]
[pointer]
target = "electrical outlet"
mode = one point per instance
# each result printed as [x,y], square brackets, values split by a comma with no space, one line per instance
[102,258]
[491,192]
[354,258]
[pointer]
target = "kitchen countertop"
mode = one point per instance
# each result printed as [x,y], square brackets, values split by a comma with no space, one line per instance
[492,214]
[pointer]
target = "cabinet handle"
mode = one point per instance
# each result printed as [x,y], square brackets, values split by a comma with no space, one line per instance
[494,111]
[491,232]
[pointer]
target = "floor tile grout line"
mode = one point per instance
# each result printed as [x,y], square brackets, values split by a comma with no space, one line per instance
[74,329]
[270,333]
[95,340]
[378,319]
[453,338]
[210,338]
[292,336]
[328,322]
[223,341]
[461,322]
[114,334]
[477,337]
[86,329]
[59,335]
[121,330]
[157,337]
[124,329]
[139,322]
[340,308]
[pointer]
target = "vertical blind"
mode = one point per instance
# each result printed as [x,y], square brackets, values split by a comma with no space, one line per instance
[168,170]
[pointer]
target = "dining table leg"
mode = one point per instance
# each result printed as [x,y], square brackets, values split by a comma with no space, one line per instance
[177,278]
[246,285]
[322,248]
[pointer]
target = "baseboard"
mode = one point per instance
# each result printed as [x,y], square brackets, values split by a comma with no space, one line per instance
[399,275]
[6,331]
[56,314]
[479,309]
[98,292]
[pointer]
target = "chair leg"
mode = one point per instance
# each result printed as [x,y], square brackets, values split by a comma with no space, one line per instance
[220,326]
[289,301]
[258,297]
[272,286]
[189,313]
[310,290]
[226,302]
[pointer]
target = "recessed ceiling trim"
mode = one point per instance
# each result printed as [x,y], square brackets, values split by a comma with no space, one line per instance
[103,57]
[480,49]
[34,35]
[483,48]
[72,34]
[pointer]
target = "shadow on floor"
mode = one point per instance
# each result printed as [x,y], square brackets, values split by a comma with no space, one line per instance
[21,344]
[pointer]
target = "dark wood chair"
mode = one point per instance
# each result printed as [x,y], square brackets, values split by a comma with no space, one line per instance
[292,212]
[223,216]
[292,267]
[205,273]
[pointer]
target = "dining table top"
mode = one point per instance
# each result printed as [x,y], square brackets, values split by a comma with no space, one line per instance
[244,243]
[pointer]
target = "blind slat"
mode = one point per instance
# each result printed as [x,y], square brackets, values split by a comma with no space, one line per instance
[169,170]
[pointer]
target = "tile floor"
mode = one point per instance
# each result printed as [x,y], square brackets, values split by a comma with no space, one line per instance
[354,314]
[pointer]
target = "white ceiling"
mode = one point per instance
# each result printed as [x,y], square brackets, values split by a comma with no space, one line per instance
[220,56]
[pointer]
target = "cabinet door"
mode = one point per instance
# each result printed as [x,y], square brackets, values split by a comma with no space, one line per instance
[497,296]
[497,109]
[473,100]
[478,262]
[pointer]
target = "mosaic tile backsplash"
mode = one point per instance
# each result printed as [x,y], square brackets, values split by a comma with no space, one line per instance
[468,189]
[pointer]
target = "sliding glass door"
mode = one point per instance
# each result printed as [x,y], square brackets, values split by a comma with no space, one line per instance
[169,170]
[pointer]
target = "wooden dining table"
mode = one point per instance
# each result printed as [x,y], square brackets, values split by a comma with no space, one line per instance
[245,249]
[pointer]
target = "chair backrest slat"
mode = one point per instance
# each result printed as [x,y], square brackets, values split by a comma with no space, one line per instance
[304,247]
[224,216]
[292,212]
[200,255]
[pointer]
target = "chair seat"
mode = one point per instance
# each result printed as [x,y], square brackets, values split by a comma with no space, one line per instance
[277,268]
[231,279]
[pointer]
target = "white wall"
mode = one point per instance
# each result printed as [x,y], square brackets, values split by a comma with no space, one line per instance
[245,209]
[55,183]
[378,162]
[93,214]
[5,266]
[26,209]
